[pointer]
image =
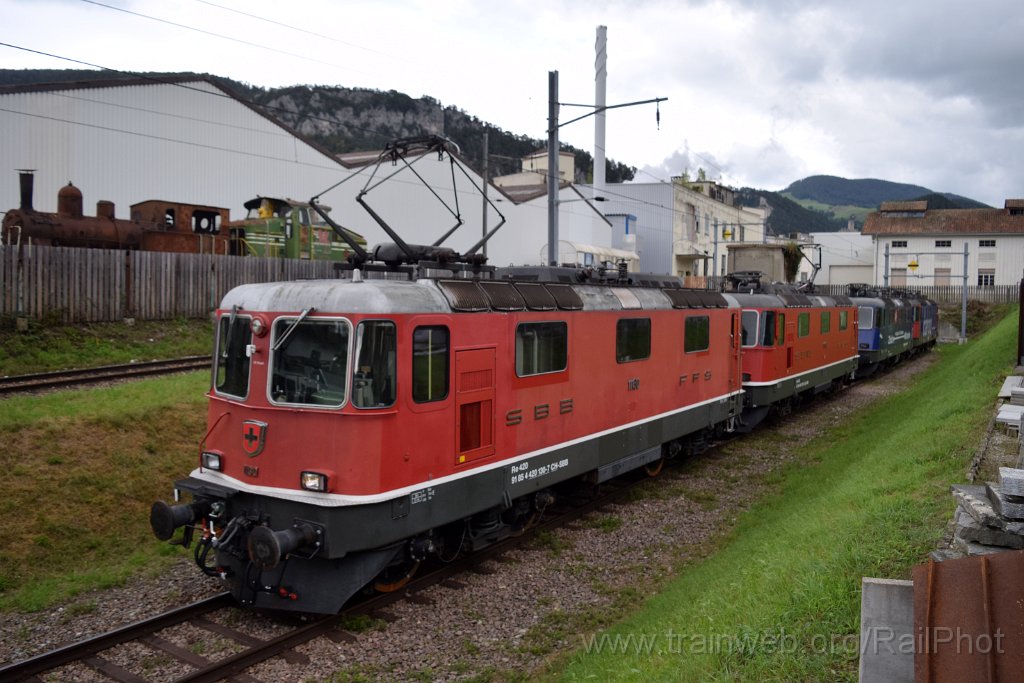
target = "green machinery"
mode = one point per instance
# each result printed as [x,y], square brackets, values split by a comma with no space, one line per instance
[289,229]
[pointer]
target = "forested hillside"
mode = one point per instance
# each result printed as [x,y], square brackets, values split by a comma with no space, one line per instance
[871,192]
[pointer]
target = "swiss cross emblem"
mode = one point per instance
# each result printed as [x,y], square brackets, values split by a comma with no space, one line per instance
[254,435]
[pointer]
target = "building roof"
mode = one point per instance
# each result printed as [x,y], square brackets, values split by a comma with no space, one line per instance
[180,81]
[904,206]
[914,221]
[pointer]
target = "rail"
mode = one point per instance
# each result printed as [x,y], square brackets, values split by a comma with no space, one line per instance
[107,373]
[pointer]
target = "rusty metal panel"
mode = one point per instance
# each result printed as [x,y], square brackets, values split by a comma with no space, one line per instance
[969,619]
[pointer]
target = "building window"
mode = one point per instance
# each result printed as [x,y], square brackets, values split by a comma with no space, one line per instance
[942,278]
[429,364]
[632,339]
[986,243]
[698,334]
[541,348]
[943,243]
[899,243]
[986,277]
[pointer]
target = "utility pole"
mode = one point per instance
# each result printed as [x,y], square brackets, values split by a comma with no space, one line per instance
[552,168]
[485,183]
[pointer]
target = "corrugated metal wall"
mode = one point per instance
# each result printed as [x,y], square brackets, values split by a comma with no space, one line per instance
[651,203]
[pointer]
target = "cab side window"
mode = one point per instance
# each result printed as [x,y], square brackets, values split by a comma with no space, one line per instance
[373,384]
[430,364]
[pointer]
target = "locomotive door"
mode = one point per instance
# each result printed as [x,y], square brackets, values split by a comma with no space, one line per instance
[474,404]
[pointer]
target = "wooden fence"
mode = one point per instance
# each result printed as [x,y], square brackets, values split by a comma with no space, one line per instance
[98,285]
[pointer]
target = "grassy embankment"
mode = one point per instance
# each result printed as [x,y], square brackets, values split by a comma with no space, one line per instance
[780,600]
[58,347]
[79,469]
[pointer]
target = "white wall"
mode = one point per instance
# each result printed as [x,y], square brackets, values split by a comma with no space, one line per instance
[846,257]
[197,145]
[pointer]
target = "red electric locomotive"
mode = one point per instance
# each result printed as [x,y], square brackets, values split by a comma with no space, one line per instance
[358,426]
[794,343]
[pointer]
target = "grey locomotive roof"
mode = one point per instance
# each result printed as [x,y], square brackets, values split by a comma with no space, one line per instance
[342,296]
[384,297]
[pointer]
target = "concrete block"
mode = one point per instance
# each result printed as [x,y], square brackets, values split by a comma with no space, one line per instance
[1010,507]
[1011,481]
[886,631]
[969,530]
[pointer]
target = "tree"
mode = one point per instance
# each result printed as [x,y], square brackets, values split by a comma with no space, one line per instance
[791,257]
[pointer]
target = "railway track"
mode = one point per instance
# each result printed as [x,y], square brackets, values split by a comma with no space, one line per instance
[99,653]
[71,378]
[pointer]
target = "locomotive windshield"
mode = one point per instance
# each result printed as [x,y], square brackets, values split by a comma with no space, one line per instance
[865,318]
[749,321]
[231,371]
[309,361]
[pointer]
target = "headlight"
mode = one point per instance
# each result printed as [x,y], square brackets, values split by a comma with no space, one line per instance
[258,326]
[211,460]
[314,481]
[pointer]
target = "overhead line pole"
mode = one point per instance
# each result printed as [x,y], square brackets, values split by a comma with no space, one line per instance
[553,149]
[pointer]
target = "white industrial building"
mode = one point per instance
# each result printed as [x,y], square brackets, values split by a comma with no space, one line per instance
[917,246]
[846,257]
[190,140]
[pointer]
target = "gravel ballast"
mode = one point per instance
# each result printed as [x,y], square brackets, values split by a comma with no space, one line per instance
[541,599]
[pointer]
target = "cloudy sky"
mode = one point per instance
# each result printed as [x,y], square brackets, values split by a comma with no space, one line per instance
[759,93]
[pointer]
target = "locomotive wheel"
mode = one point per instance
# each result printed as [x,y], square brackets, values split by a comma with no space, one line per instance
[395,578]
[527,525]
[653,469]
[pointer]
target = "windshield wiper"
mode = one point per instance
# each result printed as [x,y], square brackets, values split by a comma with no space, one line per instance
[291,328]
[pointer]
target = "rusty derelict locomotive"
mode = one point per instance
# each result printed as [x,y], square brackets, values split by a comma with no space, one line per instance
[359,426]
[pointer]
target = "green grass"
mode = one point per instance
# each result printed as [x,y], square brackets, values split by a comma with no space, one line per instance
[47,347]
[79,472]
[780,600]
[844,211]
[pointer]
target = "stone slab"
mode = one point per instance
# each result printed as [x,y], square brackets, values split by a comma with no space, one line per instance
[1010,507]
[943,554]
[886,623]
[1010,415]
[1011,481]
[972,549]
[974,501]
[1009,384]
[970,530]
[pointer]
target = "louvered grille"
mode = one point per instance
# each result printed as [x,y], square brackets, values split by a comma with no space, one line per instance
[464,295]
[536,296]
[566,297]
[503,296]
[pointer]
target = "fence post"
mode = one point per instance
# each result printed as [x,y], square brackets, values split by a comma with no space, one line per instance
[1020,323]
